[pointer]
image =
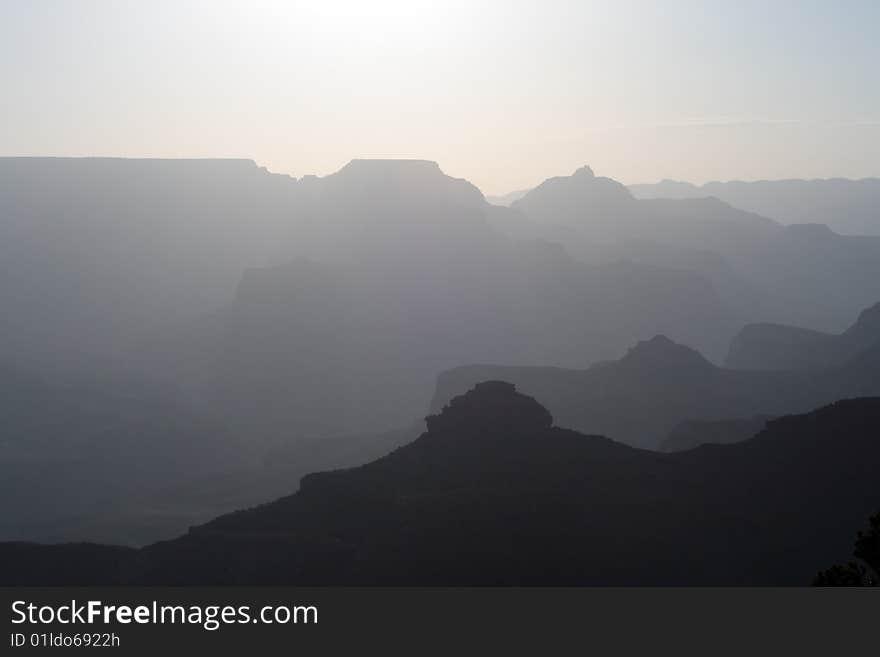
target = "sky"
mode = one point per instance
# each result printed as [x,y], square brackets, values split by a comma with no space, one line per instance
[503,93]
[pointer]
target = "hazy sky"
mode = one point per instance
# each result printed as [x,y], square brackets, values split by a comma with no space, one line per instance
[503,93]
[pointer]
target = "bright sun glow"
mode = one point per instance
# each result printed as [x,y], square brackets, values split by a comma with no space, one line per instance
[379,24]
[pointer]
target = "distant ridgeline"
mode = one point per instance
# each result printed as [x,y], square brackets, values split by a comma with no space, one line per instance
[779,347]
[850,207]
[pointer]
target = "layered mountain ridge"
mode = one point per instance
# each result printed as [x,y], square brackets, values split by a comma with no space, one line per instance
[780,347]
[306,319]
[658,384]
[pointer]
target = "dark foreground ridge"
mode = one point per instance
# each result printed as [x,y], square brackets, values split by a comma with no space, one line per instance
[494,494]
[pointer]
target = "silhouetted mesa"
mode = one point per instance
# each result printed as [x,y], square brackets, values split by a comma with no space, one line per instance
[490,408]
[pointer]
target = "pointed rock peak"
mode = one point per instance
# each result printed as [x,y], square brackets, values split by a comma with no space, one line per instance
[661,352]
[580,191]
[491,407]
